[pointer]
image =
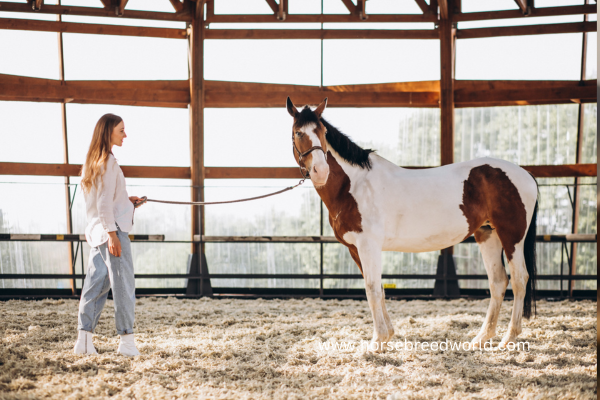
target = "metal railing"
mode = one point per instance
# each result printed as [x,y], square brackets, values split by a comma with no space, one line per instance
[444,277]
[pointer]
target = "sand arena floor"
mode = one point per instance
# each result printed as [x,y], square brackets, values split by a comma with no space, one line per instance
[270,349]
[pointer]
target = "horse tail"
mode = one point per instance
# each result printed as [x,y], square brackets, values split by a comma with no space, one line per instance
[529,254]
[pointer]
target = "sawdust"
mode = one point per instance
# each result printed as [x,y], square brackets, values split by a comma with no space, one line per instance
[273,349]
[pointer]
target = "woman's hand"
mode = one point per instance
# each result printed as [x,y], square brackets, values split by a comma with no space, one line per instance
[135,200]
[114,244]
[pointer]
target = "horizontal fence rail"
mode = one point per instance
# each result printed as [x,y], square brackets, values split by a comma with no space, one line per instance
[566,238]
[28,237]
[32,237]
[297,276]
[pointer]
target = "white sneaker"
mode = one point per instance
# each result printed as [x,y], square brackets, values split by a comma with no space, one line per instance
[84,343]
[127,346]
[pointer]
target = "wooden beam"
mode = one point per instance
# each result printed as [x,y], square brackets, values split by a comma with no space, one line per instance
[9,168]
[210,10]
[489,85]
[422,5]
[562,171]
[109,92]
[282,12]
[535,12]
[513,96]
[525,30]
[350,6]
[539,171]
[252,173]
[217,99]
[444,9]
[93,12]
[247,94]
[36,4]
[321,18]
[73,27]
[185,16]
[274,6]
[107,3]
[196,113]
[523,6]
[177,5]
[320,34]
[121,7]
[362,10]
[447,57]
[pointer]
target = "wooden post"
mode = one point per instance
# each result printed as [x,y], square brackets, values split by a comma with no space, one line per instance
[63,109]
[447,57]
[580,132]
[447,52]
[197,263]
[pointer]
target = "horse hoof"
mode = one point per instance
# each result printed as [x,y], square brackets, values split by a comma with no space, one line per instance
[504,344]
[377,346]
[478,343]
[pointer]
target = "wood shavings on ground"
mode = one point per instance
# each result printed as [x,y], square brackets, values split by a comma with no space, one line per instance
[286,349]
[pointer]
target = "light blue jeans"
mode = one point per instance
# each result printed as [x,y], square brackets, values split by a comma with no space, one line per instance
[106,271]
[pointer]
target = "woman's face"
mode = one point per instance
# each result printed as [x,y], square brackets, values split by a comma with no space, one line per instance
[118,134]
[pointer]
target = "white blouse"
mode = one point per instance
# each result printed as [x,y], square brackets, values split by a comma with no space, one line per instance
[108,205]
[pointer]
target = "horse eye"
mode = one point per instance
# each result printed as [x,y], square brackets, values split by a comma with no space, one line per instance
[298,133]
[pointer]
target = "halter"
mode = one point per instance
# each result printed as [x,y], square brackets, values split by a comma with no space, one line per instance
[303,169]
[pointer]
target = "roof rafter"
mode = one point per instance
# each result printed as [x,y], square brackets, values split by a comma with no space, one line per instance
[444,9]
[274,6]
[120,8]
[422,5]
[362,10]
[535,12]
[177,5]
[523,6]
[35,5]
[76,27]
[350,6]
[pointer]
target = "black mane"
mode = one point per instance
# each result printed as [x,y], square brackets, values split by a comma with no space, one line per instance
[341,143]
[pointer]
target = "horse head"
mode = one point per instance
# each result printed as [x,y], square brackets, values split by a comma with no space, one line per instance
[309,144]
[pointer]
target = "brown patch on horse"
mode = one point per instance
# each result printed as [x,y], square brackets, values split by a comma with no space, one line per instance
[343,209]
[490,197]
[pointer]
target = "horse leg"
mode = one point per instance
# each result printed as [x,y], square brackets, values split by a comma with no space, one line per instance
[491,250]
[386,317]
[518,280]
[370,257]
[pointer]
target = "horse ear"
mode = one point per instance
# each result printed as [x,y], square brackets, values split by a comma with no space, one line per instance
[291,108]
[321,107]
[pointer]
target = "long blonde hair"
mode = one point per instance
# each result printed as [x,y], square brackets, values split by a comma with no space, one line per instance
[99,151]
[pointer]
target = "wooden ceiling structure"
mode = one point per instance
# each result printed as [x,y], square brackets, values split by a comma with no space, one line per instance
[197,93]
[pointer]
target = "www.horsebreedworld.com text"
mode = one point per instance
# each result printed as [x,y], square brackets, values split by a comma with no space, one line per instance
[422,346]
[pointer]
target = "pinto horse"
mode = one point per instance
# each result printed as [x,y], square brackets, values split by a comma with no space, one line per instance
[375,205]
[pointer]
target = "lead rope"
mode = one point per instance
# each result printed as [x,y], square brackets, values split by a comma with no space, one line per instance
[207,203]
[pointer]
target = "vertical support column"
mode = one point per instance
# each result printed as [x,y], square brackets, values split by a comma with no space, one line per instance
[63,109]
[580,129]
[197,264]
[447,32]
[447,52]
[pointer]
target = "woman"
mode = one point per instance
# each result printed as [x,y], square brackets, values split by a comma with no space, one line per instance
[109,219]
